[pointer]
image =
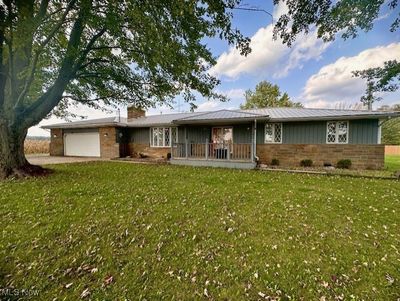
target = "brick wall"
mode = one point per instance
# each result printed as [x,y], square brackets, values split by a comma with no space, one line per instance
[56,142]
[153,152]
[363,156]
[109,148]
[134,112]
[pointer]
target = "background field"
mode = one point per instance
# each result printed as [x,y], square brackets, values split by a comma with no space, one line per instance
[37,146]
[117,230]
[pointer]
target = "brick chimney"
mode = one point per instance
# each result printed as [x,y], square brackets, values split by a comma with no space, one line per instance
[135,112]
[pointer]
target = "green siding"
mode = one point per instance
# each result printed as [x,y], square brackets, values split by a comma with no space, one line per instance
[181,134]
[198,134]
[260,132]
[304,132]
[363,131]
[242,133]
[140,135]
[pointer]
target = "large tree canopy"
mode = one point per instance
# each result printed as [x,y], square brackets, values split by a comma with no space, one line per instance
[345,18]
[267,95]
[102,52]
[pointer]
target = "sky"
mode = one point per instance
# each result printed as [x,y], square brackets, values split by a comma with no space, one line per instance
[312,72]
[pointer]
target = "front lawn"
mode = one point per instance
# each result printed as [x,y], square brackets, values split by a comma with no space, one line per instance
[392,162]
[120,231]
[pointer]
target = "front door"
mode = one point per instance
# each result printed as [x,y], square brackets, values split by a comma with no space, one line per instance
[222,138]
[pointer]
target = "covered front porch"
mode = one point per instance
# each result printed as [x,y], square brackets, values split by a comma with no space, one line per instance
[234,155]
[229,145]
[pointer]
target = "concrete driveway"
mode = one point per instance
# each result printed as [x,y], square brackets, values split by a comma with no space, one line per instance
[44,159]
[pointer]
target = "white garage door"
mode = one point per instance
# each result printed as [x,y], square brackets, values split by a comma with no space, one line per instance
[86,144]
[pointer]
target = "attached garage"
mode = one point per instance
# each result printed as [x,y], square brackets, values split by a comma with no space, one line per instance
[82,144]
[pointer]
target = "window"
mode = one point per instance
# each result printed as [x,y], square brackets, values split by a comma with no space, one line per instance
[273,133]
[163,137]
[337,132]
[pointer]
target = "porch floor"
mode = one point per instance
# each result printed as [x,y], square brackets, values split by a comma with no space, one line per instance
[214,163]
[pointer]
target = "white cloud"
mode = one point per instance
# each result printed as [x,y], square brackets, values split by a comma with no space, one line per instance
[213,105]
[306,48]
[265,53]
[269,56]
[210,105]
[235,96]
[334,83]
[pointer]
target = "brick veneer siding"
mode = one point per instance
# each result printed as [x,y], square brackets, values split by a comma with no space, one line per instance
[362,156]
[109,147]
[56,142]
[153,152]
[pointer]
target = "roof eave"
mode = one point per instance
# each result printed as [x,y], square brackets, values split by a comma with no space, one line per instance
[80,126]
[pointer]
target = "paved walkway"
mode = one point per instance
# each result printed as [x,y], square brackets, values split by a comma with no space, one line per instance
[44,159]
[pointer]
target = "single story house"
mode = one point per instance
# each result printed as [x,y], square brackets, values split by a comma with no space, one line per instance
[231,138]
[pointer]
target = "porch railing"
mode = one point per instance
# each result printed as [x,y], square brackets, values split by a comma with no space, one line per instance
[213,151]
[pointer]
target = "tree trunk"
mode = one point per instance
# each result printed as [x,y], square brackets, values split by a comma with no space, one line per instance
[12,157]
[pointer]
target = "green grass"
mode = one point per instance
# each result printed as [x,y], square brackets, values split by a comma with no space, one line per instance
[181,233]
[392,162]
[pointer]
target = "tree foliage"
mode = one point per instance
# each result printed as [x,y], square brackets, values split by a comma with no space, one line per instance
[380,79]
[108,52]
[267,95]
[391,127]
[103,52]
[345,18]
[391,132]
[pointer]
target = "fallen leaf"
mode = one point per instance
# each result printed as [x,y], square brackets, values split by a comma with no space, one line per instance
[85,293]
[108,280]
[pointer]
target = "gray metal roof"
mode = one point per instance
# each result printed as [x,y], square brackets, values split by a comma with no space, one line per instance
[162,119]
[298,114]
[272,114]
[221,115]
[90,123]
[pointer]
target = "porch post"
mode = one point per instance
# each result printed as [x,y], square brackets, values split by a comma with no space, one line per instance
[186,144]
[254,144]
[206,149]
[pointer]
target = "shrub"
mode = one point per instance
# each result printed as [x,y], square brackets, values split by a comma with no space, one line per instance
[306,163]
[274,162]
[344,164]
